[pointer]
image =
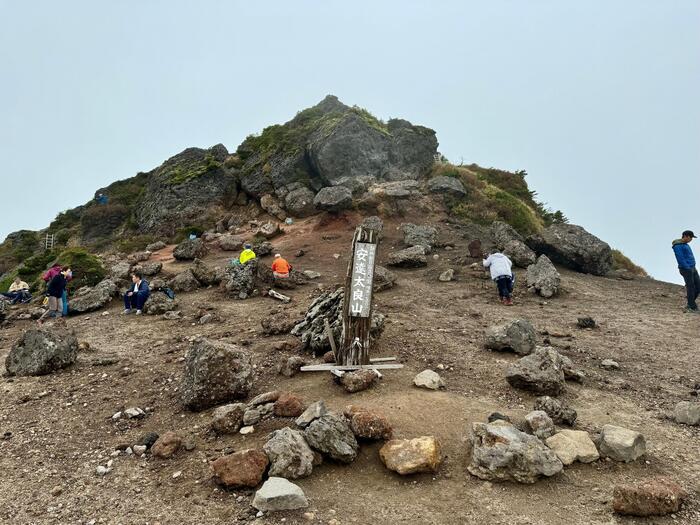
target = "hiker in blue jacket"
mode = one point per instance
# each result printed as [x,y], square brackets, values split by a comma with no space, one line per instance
[137,295]
[686,265]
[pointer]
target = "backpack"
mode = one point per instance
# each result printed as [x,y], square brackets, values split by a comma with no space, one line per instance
[168,292]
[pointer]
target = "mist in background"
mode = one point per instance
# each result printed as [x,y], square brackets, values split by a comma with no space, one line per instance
[596,100]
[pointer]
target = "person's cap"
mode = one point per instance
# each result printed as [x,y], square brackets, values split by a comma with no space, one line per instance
[277,255]
[689,233]
[247,246]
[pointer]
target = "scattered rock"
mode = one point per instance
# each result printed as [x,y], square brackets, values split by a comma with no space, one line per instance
[519,253]
[289,454]
[172,316]
[652,497]
[446,186]
[140,450]
[687,413]
[155,246]
[239,279]
[40,352]
[215,373]
[496,416]
[573,445]
[447,276]
[288,405]
[540,372]
[475,250]
[429,379]
[358,380]
[383,279]
[241,469]
[206,275]
[120,271]
[190,249]
[586,322]
[366,424]
[269,230]
[333,198]
[247,430]
[329,357]
[609,364]
[184,282]
[415,235]
[272,206]
[263,399]
[500,452]
[558,410]
[543,278]
[148,439]
[571,373]
[411,456]
[300,202]
[310,274]
[621,444]
[517,335]
[228,419]
[166,446]
[314,411]
[291,366]
[94,298]
[230,243]
[134,413]
[412,257]
[279,494]
[158,303]
[539,424]
[331,435]
[573,247]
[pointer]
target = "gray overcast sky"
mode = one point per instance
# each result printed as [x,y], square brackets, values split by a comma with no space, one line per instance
[597,100]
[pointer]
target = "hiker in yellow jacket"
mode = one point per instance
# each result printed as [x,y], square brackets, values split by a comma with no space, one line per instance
[247,254]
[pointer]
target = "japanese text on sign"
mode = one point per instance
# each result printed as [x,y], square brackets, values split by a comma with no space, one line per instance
[362,277]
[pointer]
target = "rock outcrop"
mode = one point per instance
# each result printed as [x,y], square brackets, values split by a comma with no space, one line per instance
[517,335]
[573,247]
[543,278]
[541,372]
[91,299]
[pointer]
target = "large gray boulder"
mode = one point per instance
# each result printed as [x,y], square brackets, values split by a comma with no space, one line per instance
[503,233]
[383,279]
[687,412]
[335,198]
[621,444]
[517,335]
[40,352]
[412,257]
[543,278]
[573,247]
[559,410]
[184,282]
[159,303]
[332,436]
[93,298]
[205,274]
[541,372]
[518,252]
[501,452]
[278,494]
[416,235]
[289,454]
[300,202]
[175,193]
[239,279]
[190,250]
[120,271]
[215,373]
[446,186]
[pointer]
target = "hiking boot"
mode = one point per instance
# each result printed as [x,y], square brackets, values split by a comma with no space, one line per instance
[127,311]
[508,301]
[690,310]
[138,312]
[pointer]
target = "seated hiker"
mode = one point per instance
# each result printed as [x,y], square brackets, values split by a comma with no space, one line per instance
[55,290]
[247,254]
[502,273]
[280,267]
[18,291]
[137,295]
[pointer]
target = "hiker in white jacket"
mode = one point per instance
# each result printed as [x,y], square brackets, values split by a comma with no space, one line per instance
[502,273]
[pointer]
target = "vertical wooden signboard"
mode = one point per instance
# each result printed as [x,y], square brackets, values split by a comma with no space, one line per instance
[357,304]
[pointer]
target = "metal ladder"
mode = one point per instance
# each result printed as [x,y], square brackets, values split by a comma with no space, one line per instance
[49,241]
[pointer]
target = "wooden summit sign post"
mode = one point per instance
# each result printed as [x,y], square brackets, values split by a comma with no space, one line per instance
[357,302]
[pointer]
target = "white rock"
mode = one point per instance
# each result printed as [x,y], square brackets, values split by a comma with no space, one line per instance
[117,415]
[247,430]
[140,450]
[279,494]
[687,412]
[429,379]
[101,470]
[609,364]
[573,445]
[134,413]
[621,444]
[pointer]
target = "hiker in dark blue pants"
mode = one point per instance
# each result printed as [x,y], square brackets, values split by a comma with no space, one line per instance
[137,295]
[686,266]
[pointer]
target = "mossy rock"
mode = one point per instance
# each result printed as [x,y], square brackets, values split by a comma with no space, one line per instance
[87,268]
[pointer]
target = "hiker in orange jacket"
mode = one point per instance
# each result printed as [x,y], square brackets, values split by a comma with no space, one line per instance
[280,267]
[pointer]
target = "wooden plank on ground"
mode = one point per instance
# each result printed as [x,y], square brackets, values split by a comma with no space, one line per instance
[381,359]
[327,367]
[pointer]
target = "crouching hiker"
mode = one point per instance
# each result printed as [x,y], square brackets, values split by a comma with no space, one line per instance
[502,273]
[55,291]
[280,267]
[137,295]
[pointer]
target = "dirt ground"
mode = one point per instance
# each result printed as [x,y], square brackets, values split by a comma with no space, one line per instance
[61,426]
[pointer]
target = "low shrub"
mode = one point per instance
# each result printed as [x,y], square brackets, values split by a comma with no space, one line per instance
[622,262]
[87,268]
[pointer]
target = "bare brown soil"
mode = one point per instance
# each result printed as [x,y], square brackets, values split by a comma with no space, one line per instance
[62,429]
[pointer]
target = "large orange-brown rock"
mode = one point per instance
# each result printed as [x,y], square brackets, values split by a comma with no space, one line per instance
[366,424]
[410,456]
[652,497]
[166,445]
[241,469]
[289,405]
